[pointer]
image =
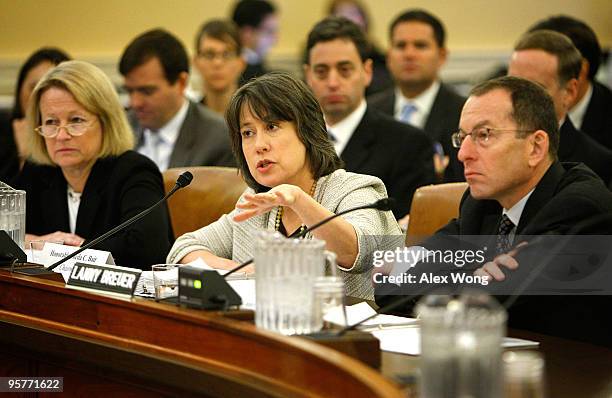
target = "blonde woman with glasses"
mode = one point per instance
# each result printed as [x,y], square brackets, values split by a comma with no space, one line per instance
[82,178]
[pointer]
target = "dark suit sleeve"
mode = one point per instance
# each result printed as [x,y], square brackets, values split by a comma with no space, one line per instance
[413,170]
[148,240]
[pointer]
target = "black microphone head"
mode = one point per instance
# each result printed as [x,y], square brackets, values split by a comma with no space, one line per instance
[384,204]
[184,179]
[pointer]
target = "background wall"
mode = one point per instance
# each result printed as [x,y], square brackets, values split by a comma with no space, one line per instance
[97,30]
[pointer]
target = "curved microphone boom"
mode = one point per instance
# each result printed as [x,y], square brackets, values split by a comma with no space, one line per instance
[182,181]
[384,204]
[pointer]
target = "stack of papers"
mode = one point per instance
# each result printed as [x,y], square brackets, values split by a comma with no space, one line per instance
[399,334]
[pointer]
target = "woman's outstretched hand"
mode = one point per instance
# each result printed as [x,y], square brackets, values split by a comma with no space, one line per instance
[255,204]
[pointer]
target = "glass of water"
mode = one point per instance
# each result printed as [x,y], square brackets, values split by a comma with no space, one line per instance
[12,213]
[329,311]
[165,280]
[461,346]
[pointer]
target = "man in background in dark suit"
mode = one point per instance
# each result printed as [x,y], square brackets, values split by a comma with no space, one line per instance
[591,111]
[368,141]
[518,192]
[170,129]
[419,98]
[551,60]
[257,22]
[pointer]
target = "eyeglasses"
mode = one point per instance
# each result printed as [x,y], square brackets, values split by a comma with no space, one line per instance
[75,129]
[210,55]
[480,136]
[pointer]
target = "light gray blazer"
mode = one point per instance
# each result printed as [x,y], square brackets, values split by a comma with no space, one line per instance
[338,191]
[202,141]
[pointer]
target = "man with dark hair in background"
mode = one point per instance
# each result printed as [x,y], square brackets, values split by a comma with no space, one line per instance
[591,111]
[368,141]
[551,60]
[257,22]
[419,98]
[170,129]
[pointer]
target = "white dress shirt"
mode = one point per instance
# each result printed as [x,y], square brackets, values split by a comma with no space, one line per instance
[158,145]
[74,201]
[576,114]
[515,213]
[343,130]
[422,104]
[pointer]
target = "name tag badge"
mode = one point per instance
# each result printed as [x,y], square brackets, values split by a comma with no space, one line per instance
[53,252]
[113,280]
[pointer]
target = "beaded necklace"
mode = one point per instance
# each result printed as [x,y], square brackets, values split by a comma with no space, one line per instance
[279,213]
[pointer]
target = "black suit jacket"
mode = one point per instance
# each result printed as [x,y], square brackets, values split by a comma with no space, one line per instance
[399,154]
[576,146]
[9,158]
[566,197]
[442,122]
[597,120]
[117,189]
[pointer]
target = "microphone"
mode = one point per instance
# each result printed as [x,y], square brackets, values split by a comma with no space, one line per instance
[384,204]
[182,181]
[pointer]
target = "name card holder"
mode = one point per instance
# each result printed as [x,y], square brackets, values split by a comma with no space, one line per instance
[115,281]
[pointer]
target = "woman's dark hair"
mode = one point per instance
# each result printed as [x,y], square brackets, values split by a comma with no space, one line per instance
[45,54]
[278,96]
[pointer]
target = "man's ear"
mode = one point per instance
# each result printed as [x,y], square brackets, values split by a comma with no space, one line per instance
[571,92]
[539,143]
[369,71]
[182,81]
[306,70]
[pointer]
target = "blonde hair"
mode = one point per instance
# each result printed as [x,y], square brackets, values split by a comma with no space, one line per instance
[92,89]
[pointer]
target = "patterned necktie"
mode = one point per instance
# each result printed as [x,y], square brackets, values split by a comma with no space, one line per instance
[503,241]
[407,112]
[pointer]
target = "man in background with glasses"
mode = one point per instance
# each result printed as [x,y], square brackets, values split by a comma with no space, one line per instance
[508,141]
[170,129]
[219,62]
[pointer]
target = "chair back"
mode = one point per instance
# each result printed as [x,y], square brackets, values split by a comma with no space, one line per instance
[432,207]
[213,192]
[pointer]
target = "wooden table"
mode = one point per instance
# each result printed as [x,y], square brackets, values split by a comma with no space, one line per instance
[108,347]
[105,347]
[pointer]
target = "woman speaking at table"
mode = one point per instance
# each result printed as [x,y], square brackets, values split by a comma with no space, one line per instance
[283,152]
[82,178]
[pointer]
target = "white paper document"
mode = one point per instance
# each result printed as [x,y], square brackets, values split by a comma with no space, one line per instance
[399,334]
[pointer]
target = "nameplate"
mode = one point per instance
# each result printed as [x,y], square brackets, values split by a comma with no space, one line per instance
[53,252]
[104,279]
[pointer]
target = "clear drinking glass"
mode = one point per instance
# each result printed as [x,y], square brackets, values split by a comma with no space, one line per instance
[12,213]
[524,374]
[286,270]
[165,280]
[329,310]
[461,346]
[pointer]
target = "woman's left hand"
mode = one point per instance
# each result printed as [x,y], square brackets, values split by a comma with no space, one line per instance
[256,204]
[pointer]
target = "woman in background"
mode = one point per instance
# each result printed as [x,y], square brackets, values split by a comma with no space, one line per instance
[13,135]
[219,62]
[293,172]
[83,178]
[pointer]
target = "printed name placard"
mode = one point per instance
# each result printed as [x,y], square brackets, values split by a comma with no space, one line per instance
[103,278]
[53,252]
